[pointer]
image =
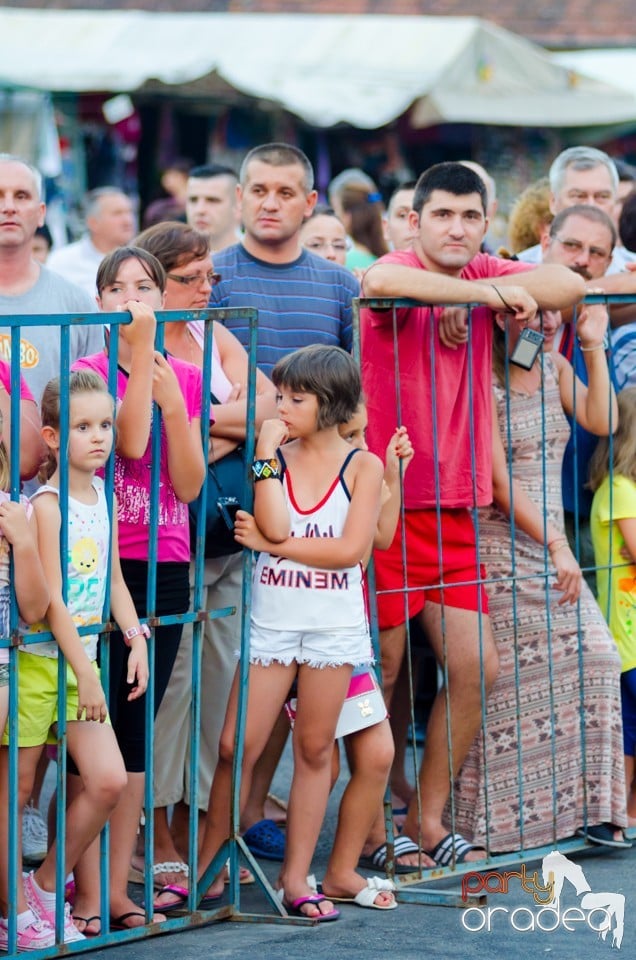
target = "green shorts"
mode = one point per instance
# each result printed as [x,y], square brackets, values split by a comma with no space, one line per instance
[37,699]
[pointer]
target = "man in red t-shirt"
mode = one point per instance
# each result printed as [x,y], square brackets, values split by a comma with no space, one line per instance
[443,396]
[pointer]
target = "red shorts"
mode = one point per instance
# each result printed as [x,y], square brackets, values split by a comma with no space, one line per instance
[425,570]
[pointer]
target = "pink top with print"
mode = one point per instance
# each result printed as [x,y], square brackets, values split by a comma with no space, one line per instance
[132,477]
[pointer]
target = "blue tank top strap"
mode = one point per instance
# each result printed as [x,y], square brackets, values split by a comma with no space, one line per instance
[344,467]
[283,465]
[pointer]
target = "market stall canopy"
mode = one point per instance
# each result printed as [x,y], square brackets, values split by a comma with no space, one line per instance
[327,69]
[611,65]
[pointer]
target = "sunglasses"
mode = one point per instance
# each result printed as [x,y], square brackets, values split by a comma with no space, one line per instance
[196,278]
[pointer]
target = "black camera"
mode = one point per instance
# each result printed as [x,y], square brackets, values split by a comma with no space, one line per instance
[227,507]
[527,348]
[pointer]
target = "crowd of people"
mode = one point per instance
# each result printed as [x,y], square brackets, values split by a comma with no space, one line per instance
[485,543]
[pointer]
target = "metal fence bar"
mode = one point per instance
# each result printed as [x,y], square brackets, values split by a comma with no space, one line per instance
[197,631]
[62,741]
[234,849]
[13,852]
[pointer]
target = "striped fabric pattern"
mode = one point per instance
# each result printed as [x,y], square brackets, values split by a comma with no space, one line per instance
[299,303]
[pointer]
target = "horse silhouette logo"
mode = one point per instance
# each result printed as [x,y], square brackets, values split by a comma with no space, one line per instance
[556,869]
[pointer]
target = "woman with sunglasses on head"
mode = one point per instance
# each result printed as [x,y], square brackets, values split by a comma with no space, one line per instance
[184,254]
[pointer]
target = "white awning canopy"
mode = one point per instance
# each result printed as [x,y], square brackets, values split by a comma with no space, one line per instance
[327,69]
[611,65]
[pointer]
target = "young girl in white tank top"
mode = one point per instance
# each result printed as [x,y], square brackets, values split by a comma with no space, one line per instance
[315,515]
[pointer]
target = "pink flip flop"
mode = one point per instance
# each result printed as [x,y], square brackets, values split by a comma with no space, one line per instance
[295,908]
[181,899]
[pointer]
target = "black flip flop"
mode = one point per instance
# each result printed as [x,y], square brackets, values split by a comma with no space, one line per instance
[402,846]
[86,920]
[602,834]
[119,923]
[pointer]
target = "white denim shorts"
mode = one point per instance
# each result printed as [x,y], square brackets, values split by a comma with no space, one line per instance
[317,649]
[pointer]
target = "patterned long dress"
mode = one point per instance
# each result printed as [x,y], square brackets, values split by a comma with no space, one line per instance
[568,768]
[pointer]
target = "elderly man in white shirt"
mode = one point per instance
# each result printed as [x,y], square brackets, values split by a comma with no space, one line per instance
[583,175]
[110,223]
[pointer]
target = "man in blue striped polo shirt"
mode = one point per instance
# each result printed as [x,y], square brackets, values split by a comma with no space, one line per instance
[301,298]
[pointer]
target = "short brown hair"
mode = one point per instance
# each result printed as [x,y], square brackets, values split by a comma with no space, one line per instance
[174,244]
[330,374]
[452,178]
[279,155]
[109,267]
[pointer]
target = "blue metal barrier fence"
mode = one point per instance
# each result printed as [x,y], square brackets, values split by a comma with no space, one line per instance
[196,616]
[235,850]
[414,887]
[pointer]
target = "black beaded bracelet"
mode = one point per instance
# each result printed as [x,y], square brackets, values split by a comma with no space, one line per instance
[266,469]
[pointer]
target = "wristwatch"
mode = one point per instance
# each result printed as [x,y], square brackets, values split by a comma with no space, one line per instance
[141,631]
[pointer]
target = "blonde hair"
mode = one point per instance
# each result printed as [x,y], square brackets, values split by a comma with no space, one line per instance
[623,444]
[530,215]
[5,471]
[79,381]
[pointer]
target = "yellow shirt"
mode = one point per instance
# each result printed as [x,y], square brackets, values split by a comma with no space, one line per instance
[616,587]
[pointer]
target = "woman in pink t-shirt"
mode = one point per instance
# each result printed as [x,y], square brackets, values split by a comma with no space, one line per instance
[184,253]
[132,279]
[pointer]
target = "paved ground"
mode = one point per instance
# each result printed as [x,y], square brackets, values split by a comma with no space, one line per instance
[414,931]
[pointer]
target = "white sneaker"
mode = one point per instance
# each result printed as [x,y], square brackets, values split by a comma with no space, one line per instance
[45,910]
[34,835]
[33,934]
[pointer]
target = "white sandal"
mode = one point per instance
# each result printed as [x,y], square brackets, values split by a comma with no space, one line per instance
[367,896]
